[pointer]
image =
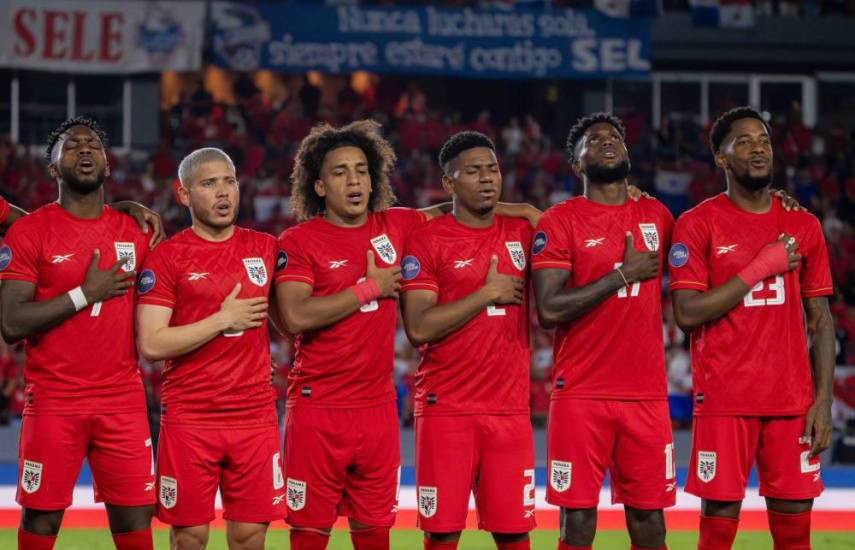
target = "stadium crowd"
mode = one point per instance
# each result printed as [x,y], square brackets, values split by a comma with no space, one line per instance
[672,162]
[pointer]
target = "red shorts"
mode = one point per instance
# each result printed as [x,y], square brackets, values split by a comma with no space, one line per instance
[632,439]
[52,449]
[244,463]
[342,462]
[490,455]
[725,447]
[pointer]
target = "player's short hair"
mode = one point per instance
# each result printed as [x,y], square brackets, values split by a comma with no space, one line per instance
[66,125]
[721,126]
[363,134]
[574,136]
[463,141]
[197,158]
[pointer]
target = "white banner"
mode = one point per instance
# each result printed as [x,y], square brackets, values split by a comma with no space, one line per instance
[101,36]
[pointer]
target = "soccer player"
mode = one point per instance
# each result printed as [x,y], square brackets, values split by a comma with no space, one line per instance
[743,271]
[67,269]
[597,262]
[465,305]
[203,308]
[336,293]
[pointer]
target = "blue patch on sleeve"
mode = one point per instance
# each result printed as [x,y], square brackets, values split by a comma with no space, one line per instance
[410,268]
[679,255]
[539,243]
[5,257]
[146,282]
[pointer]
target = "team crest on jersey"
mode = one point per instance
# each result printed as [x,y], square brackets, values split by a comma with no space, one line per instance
[296,494]
[515,249]
[384,248]
[278,480]
[256,271]
[168,492]
[427,501]
[560,475]
[31,477]
[650,235]
[126,250]
[706,466]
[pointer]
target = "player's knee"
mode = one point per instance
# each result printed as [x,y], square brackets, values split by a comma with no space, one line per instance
[188,538]
[444,537]
[41,522]
[245,536]
[646,527]
[789,506]
[578,526]
[126,519]
[721,508]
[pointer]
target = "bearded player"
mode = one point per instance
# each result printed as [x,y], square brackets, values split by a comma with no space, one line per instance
[337,293]
[67,269]
[747,278]
[464,304]
[203,308]
[602,291]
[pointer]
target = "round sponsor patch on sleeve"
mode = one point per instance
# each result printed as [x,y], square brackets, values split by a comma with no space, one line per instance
[679,255]
[5,257]
[410,267]
[146,282]
[281,260]
[539,243]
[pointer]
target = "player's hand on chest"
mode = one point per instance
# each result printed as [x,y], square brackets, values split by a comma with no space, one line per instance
[63,265]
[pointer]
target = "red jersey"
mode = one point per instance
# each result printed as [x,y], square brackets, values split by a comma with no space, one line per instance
[226,381]
[347,364]
[87,363]
[483,366]
[615,350]
[753,361]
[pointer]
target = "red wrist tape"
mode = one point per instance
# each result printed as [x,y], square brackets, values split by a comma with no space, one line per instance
[366,291]
[771,260]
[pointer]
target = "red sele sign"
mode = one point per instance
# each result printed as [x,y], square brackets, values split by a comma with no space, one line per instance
[51,34]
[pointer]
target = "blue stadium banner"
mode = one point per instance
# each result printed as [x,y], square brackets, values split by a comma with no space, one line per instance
[475,43]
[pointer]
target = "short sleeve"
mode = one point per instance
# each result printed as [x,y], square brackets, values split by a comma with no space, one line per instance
[687,258]
[418,267]
[157,280]
[293,262]
[551,246]
[19,255]
[815,272]
[4,210]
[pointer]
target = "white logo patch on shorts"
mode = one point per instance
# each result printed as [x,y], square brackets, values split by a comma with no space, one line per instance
[560,475]
[31,477]
[278,480]
[168,492]
[427,501]
[706,466]
[296,494]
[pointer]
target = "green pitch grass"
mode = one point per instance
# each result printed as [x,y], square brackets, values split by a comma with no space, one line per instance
[407,539]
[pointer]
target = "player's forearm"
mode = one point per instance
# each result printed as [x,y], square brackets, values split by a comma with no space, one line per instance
[519,210]
[170,342]
[693,309]
[437,322]
[26,319]
[821,327]
[316,312]
[566,304]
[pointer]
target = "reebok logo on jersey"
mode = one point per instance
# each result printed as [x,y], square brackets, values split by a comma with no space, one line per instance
[335,264]
[460,264]
[719,250]
[59,258]
[278,499]
[591,243]
[197,276]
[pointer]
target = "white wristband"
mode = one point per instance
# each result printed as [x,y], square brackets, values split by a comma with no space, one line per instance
[78,298]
